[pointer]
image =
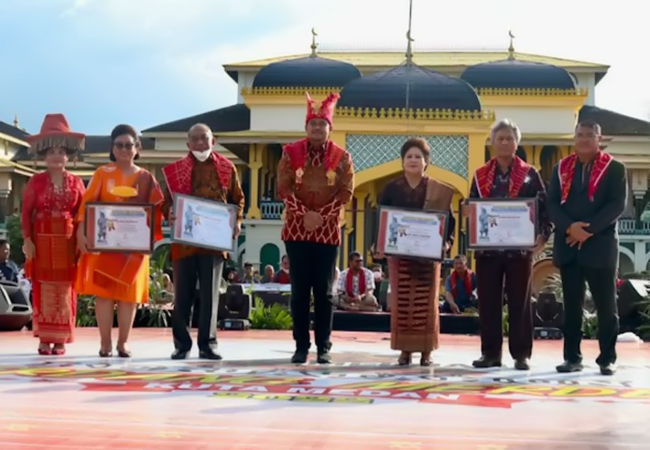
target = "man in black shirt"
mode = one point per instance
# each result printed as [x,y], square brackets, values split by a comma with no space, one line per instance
[586,198]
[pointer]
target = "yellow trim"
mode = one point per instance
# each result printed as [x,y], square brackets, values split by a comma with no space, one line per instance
[8,138]
[360,226]
[414,114]
[16,167]
[381,60]
[536,92]
[255,164]
[572,101]
[263,134]
[289,91]
[393,167]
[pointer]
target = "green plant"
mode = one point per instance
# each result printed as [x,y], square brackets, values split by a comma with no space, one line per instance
[158,314]
[15,238]
[589,325]
[274,317]
[86,311]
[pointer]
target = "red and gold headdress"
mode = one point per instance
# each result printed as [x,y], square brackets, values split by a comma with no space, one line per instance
[55,132]
[324,111]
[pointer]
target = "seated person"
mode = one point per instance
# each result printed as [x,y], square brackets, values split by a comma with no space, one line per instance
[282,276]
[8,269]
[356,286]
[269,273]
[459,288]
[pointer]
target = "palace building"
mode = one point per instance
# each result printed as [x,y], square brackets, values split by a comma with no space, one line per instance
[449,98]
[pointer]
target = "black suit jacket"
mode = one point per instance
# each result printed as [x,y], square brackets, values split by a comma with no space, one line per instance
[602,214]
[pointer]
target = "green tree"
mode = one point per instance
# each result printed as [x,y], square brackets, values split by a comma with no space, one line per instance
[15,238]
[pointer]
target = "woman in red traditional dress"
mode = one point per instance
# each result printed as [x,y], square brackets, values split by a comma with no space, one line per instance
[50,203]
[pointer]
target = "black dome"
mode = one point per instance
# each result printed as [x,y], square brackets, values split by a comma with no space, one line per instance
[425,88]
[512,73]
[312,71]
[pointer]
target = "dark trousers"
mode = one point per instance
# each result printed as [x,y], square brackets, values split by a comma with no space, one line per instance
[312,269]
[206,269]
[490,281]
[602,284]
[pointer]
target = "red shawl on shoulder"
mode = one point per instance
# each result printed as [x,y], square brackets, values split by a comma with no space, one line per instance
[178,175]
[485,177]
[297,152]
[567,167]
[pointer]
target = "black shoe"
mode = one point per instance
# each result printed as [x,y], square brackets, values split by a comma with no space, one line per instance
[609,369]
[324,356]
[522,364]
[299,357]
[180,354]
[484,362]
[568,367]
[209,353]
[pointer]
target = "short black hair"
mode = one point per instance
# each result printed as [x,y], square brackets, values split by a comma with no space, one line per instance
[121,130]
[3,242]
[419,143]
[353,255]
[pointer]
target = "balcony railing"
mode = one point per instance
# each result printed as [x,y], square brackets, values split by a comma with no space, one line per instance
[630,226]
[271,210]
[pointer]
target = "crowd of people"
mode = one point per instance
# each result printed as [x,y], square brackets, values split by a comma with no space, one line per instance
[315,181]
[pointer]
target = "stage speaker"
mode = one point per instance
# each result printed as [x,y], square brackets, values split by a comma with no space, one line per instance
[630,294]
[15,309]
[235,303]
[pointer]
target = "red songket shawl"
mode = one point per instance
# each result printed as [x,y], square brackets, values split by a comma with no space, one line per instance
[349,282]
[178,175]
[467,281]
[298,150]
[485,177]
[566,171]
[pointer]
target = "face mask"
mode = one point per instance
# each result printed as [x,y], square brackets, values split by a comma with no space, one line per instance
[202,156]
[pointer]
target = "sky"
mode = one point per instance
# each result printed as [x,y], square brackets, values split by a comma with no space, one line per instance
[146,62]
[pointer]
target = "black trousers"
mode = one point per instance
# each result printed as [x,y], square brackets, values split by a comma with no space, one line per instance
[206,269]
[602,284]
[493,275]
[312,269]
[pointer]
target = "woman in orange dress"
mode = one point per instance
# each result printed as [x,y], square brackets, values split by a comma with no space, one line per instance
[114,278]
[50,203]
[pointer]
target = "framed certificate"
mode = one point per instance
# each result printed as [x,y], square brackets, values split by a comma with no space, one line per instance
[413,234]
[119,227]
[503,223]
[204,223]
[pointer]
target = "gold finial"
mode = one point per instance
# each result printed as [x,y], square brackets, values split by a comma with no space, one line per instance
[16,123]
[314,45]
[511,49]
[409,48]
[409,39]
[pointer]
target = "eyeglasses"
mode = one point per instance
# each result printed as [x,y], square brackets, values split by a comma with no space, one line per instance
[123,145]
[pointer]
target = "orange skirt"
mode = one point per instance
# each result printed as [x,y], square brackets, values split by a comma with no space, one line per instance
[114,276]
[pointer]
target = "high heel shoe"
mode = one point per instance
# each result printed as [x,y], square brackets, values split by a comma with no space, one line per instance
[105,354]
[425,360]
[44,350]
[58,350]
[404,359]
[123,353]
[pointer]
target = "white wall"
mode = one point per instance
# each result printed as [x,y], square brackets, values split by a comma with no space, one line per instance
[259,233]
[278,118]
[538,120]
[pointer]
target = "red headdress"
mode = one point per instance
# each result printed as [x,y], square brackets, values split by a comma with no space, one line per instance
[55,132]
[324,111]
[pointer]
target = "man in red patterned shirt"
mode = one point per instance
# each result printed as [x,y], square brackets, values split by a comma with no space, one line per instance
[315,180]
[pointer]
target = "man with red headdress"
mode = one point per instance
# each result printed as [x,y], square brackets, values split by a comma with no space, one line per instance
[507,176]
[587,196]
[315,180]
[207,174]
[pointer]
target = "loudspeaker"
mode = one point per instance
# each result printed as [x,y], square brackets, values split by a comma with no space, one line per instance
[15,309]
[630,294]
[234,303]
